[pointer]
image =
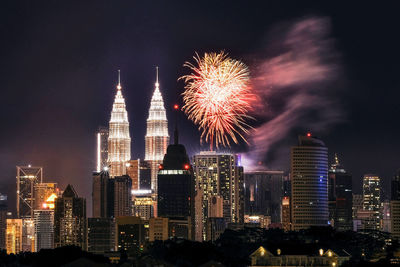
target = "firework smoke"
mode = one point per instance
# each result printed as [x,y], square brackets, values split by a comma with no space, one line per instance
[295,86]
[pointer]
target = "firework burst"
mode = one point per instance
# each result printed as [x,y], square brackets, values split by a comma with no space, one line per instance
[217,98]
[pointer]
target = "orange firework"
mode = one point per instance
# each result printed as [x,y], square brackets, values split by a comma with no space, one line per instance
[217,97]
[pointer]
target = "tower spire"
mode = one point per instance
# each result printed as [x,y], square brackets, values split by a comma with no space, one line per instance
[157,84]
[119,80]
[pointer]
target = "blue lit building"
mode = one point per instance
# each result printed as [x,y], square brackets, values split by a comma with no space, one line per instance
[309,173]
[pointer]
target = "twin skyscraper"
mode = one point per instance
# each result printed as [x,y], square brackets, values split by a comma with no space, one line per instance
[114,143]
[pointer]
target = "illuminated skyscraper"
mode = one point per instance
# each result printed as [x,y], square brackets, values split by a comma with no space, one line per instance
[309,174]
[340,196]
[119,141]
[42,192]
[372,201]
[157,138]
[70,220]
[102,148]
[44,229]
[27,178]
[14,236]
[219,175]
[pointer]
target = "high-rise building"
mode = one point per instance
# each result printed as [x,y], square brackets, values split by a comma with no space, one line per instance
[309,179]
[286,217]
[372,201]
[101,235]
[3,220]
[100,195]
[395,206]
[340,196]
[70,219]
[157,138]
[219,175]
[144,175]
[176,187]
[129,233]
[28,235]
[122,196]
[158,229]
[42,192]
[119,141]
[27,178]
[143,204]
[14,236]
[44,229]
[133,171]
[101,148]
[263,194]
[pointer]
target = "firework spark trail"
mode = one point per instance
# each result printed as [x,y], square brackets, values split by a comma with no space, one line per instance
[300,76]
[217,98]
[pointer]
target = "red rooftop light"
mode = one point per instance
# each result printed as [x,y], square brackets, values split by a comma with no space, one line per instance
[160,167]
[308,134]
[176,106]
[186,166]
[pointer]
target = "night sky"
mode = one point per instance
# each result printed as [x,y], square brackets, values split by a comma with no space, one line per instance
[59,62]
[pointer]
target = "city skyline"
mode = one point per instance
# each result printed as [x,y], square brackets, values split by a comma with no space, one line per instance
[69,115]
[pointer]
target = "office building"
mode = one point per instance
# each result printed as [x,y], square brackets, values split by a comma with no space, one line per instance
[28,235]
[144,176]
[215,228]
[340,196]
[27,178]
[119,141]
[122,196]
[263,194]
[44,229]
[70,219]
[372,201]
[3,220]
[157,137]
[130,233]
[143,204]
[100,235]
[101,197]
[14,236]
[133,171]
[395,206]
[101,148]
[176,187]
[219,175]
[42,192]
[158,229]
[286,216]
[309,179]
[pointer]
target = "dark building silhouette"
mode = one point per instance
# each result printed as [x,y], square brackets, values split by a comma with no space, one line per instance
[122,196]
[101,235]
[130,233]
[176,187]
[100,200]
[340,196]
[144,176]
[263,194]
[70,219]
[309,180]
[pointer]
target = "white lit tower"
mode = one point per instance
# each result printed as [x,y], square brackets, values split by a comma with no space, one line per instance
[119,141]
[157,138]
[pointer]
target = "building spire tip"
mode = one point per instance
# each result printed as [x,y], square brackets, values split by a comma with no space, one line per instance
[119,80]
